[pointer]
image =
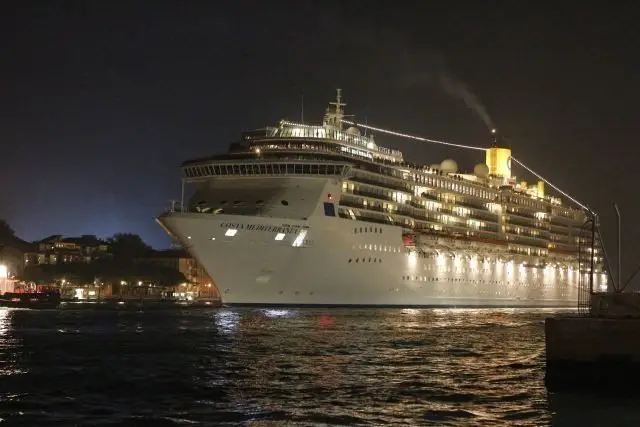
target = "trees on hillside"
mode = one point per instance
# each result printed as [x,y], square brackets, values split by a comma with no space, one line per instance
[5,229]
[128,246]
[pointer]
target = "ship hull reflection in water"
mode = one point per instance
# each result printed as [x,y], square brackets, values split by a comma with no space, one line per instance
[305,366]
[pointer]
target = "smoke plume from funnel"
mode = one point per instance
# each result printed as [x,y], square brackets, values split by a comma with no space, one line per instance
[433,72]
[411,67]
[460,91]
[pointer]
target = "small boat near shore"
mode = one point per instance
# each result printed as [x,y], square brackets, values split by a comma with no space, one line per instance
[33,300]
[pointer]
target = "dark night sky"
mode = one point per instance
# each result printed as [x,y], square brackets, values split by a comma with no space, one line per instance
[101,101]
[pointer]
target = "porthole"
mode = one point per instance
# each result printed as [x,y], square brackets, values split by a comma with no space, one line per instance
[285,203]
[350,260]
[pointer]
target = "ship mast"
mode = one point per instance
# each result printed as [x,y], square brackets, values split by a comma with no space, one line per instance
[334,118]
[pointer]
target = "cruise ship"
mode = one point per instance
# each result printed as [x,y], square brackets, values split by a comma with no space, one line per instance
[301,214]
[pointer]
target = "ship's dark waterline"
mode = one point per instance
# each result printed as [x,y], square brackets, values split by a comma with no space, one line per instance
[262,367]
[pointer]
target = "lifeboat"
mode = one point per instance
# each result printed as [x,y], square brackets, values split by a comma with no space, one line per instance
[408,240]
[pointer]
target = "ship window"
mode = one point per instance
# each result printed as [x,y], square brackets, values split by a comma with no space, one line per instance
[284,202]
[357,259]
[350,260]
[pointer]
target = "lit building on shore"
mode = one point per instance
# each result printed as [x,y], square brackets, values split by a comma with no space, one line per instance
[12,255]
[12,250]
[198,284]
[59,249]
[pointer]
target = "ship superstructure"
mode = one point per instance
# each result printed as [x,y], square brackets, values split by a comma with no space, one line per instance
[322,214]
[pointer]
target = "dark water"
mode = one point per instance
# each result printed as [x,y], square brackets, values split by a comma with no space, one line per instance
[285,367]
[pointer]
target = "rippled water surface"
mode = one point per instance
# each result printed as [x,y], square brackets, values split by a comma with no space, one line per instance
[283,367]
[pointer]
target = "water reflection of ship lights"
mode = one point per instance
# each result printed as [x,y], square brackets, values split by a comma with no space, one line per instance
[326,320]
[277,313]
[226,320]
[4,321]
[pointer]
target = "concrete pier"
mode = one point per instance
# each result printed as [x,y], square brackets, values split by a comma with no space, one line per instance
[600,350]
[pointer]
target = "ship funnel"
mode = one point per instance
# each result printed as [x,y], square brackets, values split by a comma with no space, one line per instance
[498,158]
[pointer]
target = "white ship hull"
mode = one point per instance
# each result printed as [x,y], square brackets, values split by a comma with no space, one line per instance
[314,214]
[336,265]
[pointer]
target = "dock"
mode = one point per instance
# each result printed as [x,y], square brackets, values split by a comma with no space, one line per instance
[597,350]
